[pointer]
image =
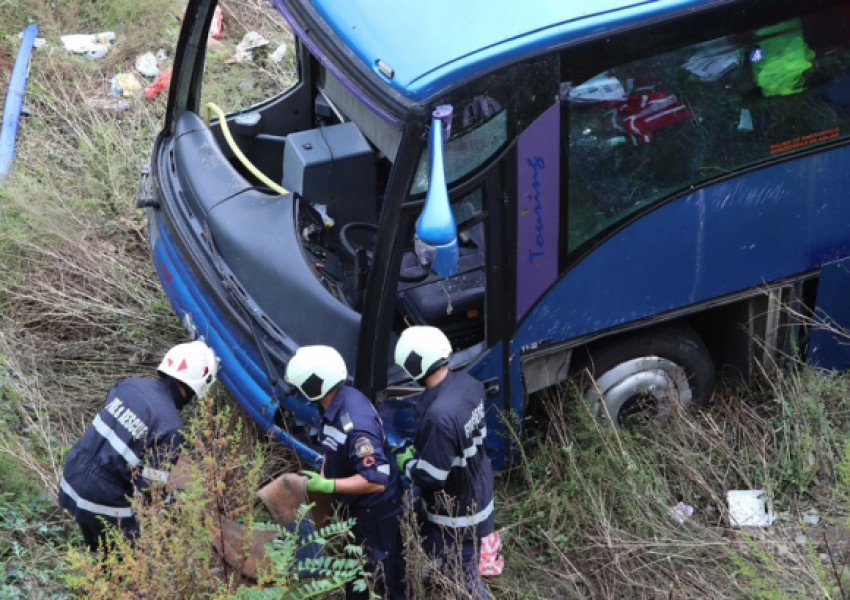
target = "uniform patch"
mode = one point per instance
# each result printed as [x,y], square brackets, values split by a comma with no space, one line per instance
[369,461]
[363,447]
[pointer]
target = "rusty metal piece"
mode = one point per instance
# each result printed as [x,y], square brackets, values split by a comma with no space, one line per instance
[241,547]
[285,494]
[244,548]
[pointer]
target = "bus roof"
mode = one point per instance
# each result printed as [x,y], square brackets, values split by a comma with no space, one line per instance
[431,46]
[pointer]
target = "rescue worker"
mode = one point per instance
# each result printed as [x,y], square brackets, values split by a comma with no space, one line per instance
[448,463]
[358,468]
[134,440]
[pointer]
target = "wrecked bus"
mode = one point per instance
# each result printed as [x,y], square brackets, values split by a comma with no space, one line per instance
[638,188]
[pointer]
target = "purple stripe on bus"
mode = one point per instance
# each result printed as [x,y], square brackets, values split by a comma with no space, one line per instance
[538,199]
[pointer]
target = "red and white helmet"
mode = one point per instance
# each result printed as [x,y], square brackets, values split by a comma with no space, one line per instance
[193,363]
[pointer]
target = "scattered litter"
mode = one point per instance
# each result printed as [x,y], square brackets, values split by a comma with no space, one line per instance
[161,55]
[217,21]
[746,121]
[92,45]
[811,519]
[279,52]
[749,508]
[250,42]
[125,84]
[681,512]
[109,104]
[159,83]
[146,64]
[491,562]
[37,43]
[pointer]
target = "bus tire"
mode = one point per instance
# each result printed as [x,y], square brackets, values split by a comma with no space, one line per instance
[650,373]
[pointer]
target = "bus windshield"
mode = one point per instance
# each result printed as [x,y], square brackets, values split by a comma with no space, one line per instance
[472,146]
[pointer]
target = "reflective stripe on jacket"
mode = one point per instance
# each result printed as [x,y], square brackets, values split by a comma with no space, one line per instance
[133,440]
[452,467]
[352,436]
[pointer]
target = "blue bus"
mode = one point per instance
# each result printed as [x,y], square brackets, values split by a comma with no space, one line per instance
[650,191]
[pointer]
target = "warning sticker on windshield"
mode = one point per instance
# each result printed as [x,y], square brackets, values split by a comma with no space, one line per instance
[805,140]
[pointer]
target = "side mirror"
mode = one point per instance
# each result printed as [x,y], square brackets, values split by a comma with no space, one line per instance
[436,229]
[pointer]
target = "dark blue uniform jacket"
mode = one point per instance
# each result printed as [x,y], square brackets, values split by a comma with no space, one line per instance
[133,440]
[452,467]
[352,437]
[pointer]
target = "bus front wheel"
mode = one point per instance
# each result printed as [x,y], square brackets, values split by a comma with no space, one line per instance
[647,375]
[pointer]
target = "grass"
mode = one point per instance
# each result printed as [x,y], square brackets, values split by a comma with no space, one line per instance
[587,511]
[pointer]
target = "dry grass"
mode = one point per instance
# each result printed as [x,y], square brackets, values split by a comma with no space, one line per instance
[586,514]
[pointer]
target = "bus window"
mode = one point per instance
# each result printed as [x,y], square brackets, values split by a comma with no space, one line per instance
[242,64]
[644,130]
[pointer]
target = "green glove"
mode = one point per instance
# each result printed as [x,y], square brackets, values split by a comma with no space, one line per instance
[317,483]
[403,457]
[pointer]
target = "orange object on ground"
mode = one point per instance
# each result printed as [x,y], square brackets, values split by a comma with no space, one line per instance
[160,82]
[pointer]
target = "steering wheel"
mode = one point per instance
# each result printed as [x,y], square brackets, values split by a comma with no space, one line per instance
[351,248]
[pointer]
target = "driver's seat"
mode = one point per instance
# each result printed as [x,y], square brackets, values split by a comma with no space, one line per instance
[454,304]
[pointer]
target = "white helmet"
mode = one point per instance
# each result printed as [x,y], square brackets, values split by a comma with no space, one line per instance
[193,363]
[421,350]
[316,371]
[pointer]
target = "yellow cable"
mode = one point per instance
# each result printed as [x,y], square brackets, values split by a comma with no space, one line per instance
[211,106]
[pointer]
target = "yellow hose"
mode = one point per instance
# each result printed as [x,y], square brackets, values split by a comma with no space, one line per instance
[211,106]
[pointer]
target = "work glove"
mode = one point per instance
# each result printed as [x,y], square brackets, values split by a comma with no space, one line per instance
[403,457]
[317,483]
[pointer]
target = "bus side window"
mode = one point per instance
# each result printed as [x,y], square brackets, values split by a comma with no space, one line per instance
[643,130]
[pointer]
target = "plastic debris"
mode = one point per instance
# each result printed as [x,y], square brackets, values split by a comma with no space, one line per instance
[125,84]
[91,45]
[146,64]
[749,508]
[279,52]
[217,22]
[491,562]
[161,55]
[159,83]
[681,512]
[109,104]
[811,519]
[13,108]
[746,121]
[250,42]
[37,43]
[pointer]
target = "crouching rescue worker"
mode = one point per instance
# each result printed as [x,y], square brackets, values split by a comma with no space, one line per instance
[134,440]
[358,468]
[448,463]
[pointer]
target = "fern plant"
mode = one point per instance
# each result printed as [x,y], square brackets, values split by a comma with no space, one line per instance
[311,565]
